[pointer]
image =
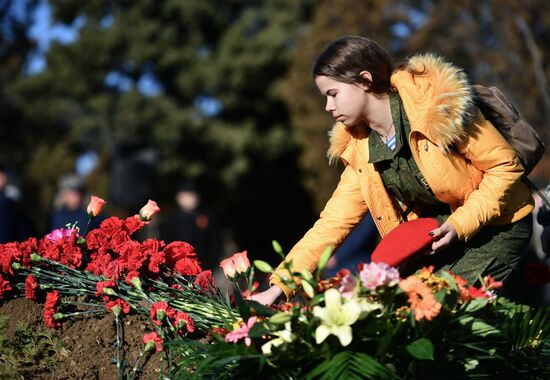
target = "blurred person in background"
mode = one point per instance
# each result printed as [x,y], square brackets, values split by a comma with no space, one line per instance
[14,225]
[70,205]
[190,223]
[543,218]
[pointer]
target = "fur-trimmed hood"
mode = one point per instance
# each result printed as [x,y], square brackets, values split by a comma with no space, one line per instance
[438,102]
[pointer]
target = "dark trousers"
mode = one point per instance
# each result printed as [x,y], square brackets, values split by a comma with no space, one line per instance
[495,250]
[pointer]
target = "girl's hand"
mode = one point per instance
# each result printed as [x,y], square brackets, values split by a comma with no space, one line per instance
[444,236]
[269,296]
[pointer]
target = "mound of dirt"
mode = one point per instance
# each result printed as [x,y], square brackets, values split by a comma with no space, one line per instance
[89,350]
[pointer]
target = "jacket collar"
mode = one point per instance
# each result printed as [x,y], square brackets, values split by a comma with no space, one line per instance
[439,104]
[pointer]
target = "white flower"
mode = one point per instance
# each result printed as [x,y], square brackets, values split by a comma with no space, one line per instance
[368,307]
[284,336]
[336,317]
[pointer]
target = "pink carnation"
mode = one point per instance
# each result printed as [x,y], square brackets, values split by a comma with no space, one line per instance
[348,286]
[374,275]
[60,233]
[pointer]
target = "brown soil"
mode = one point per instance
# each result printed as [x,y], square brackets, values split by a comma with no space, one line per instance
[89,351]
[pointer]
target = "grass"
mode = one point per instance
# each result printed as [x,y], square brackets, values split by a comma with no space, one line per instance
[30,351]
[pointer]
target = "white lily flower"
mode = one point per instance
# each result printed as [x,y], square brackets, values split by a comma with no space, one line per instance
[283,336]
[369,307]
[336,317]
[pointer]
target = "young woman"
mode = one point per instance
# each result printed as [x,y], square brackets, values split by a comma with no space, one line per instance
[414,145]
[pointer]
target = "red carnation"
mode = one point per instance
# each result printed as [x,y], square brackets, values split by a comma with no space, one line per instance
[188,267]
[155,261]
[133,224]
[151,341]
[71,254]
[52,298]
[110,226]
[30,287]
[27,248]
[49,309]
[183,322]
[178,250]
[100,285]
[4,286]
[118,239]
[152,245]
[99,263]
[117,306]
[96,239]
[8,254]
[161,310]
[131,255]
[205,280]
[130,276]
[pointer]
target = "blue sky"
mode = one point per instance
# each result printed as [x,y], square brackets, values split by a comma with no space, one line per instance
[43,32]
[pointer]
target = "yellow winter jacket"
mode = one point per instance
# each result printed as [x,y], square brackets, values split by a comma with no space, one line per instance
[464,159]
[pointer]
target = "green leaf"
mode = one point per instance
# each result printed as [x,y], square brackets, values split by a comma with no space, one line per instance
[465,320]
[258,330]
[324,258]
[350,365]
[482,328]
[263,266]
[280,318]
[452,283]
[244,309]
[308,289]
[422,349]
[440,296]
[306,275]
[277,248]
[259,309]
[476,304]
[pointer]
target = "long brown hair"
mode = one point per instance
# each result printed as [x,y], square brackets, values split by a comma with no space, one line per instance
[344,58]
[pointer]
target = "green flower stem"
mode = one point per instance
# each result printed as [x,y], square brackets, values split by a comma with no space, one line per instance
[120,369]
[87,226]
[85,304]
[87,312]
[136,366]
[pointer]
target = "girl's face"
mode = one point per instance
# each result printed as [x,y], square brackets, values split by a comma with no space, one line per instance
[347,103]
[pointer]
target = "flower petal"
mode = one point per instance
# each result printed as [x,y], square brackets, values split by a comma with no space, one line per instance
[333,300]
[343,333]
[321,333]
[351,310]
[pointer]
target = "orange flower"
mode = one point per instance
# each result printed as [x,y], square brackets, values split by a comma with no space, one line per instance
[421,298]
[146,213]
[95,206]
[228,266]
[236,265]
[489,283]
[242,264]
[461,286]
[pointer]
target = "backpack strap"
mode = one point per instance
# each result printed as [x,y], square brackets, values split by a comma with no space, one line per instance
[537,191]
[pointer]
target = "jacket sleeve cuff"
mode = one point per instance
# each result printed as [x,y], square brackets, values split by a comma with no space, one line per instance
[461,234]
[289,293]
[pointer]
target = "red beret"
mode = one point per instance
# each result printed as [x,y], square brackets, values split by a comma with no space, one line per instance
[404,241]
